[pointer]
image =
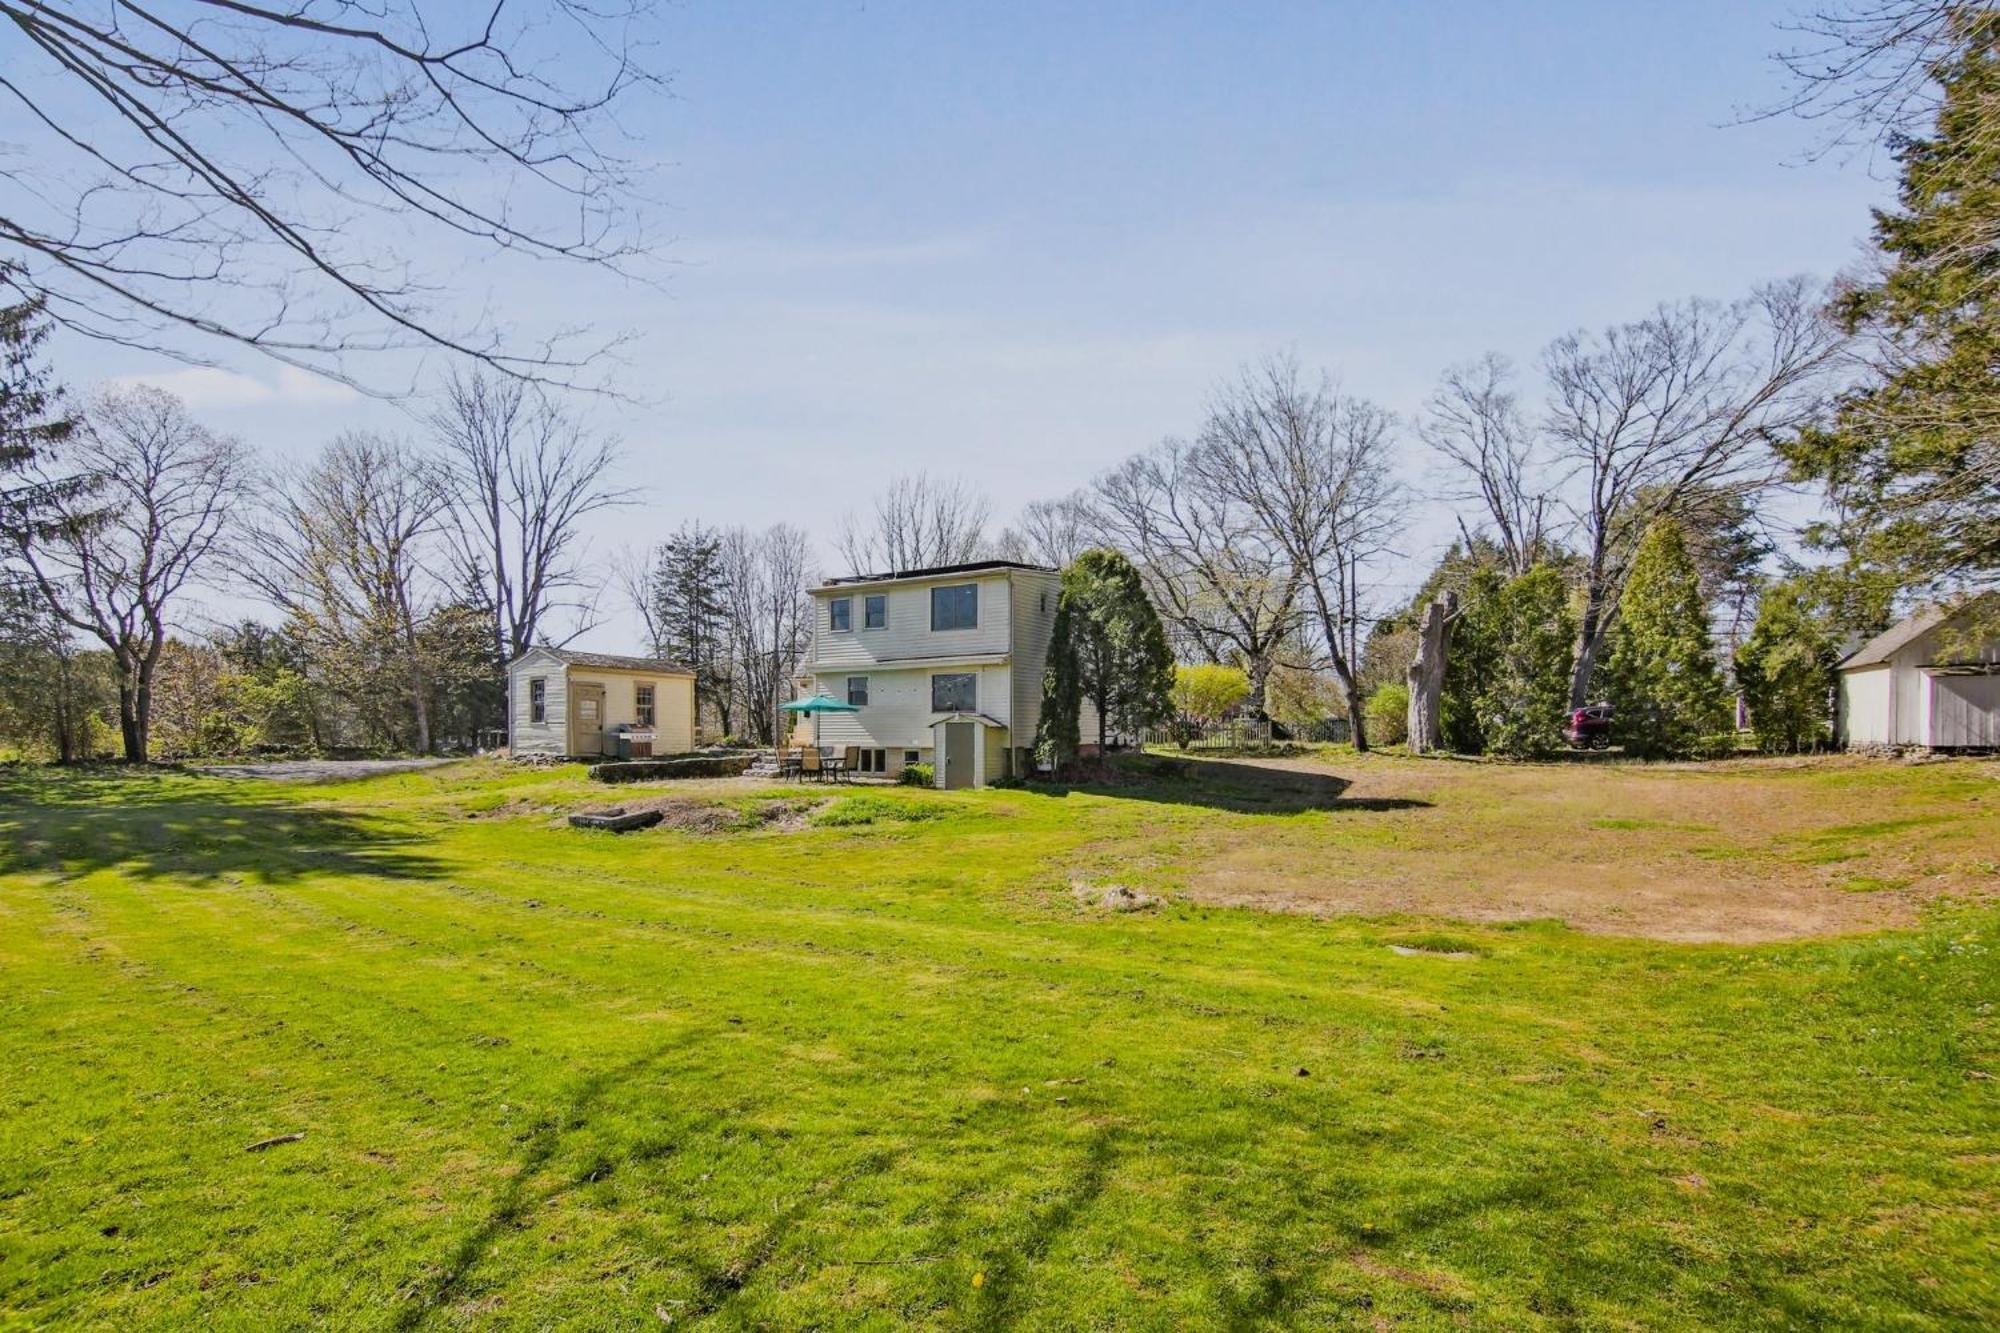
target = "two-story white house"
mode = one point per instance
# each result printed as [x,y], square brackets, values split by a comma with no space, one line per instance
[943,666]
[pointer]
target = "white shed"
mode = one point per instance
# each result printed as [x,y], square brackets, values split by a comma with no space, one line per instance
[1923,682]
[569,704]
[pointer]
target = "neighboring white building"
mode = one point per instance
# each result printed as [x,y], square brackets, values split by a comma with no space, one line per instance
[1921,683]
[571,705]
[944,666]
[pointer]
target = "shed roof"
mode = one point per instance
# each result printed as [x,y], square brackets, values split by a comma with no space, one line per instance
[1908,630]
[609,661]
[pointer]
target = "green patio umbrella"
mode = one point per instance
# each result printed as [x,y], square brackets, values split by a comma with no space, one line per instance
[813,707]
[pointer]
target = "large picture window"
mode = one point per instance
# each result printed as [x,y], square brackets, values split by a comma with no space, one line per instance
[955,693]
[875,612]
[642,704]
[538,700]
[956,607]
[841,612]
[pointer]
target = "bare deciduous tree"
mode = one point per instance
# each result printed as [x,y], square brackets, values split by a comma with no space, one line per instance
[1050,532]
[1675,409]
[524,476]
[1864,69]
[1475,424]
[152,520]
[766,577]
[1225,586]
[210,165]
[1312,465]
[920,522]
[346,548]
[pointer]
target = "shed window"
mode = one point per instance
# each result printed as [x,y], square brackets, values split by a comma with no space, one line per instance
[875,612]
[955,693]
[956,607]
[642,704]
[841,613]
[857,690]
[538,699]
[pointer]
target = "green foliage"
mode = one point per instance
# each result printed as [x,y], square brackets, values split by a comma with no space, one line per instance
[1208,692]
[917,775]
[1532,634]
[1912,459]
[1785,669]
[690,613]
[1506,681]
[1669,698]
[1470,656]
[32,421]
[1108,647]
[1389,714]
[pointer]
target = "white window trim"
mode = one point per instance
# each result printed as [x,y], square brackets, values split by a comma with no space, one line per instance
[832,602]
[848,690]
[881,597]
[953,587]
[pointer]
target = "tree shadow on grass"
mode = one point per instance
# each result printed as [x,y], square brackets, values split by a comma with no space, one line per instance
[152,825]
[1218,784]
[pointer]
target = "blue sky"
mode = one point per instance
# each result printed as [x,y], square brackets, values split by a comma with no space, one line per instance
[1016,243]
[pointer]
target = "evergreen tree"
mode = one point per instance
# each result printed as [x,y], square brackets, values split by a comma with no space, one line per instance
[1108,647]
[691,611]
[1470,661]
[1524,697]
[1669,697]
[1912,460]
[31,423]
[1785,669]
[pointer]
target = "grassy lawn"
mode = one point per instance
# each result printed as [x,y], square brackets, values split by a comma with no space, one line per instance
[875,1062]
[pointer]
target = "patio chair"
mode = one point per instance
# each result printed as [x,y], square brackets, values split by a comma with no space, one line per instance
[809,763]
[788,763]
[850,762]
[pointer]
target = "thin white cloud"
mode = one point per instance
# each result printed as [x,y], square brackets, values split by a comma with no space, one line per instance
[211,388]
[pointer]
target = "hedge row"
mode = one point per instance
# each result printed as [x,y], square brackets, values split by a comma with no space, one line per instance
[679,766]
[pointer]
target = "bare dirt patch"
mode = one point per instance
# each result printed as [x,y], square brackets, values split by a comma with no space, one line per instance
[1735,852]
[685,815]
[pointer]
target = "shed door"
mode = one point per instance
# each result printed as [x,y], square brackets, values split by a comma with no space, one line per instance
[586,718]
[959,738]
[1965,711]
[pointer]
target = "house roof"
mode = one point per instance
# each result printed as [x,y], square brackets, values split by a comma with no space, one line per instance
[935,571]
[608,661]
[1904,632]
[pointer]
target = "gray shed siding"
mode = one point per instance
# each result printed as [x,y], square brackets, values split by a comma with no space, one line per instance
[523,735]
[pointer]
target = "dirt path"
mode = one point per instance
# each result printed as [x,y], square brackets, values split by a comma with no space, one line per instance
[320,770]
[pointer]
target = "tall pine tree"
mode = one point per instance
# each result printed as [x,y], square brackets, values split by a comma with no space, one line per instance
[1785,669]
[1108,647]
[1913,459]
[691,611]
[32,422]
[1669,698]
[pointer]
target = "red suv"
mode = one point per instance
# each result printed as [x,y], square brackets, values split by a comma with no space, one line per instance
[1589,728]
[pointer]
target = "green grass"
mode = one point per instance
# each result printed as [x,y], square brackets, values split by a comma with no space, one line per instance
[885,1070]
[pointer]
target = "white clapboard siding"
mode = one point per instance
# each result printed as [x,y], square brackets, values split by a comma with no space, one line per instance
[908,633]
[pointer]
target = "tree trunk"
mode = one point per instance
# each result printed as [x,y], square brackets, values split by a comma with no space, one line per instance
[1259,671]
[1426,675]
[1589,640]
[131,732]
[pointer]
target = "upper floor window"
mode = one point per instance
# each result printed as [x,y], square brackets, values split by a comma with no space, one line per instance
[841,610]
[857,691]
[875,612]
[642,704]
[956,607]
[538,700]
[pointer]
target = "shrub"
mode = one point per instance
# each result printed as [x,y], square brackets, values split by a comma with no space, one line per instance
[1389,714]
[850,811]
[918,775]
[1208,692]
